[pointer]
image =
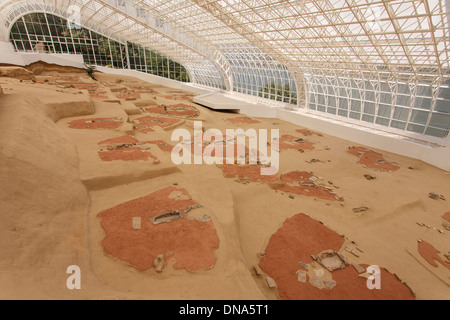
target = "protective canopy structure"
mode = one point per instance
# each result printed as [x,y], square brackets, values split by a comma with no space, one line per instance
[380,63]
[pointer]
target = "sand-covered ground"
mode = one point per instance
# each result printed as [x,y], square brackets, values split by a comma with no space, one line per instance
[86,179]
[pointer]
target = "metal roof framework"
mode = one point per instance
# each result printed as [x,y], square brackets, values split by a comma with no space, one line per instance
[389,42]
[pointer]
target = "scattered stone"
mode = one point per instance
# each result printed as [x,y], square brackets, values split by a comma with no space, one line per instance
[329,284]
[369,177]
[358,268]
[319,272]
[304,265]
[327,148]
[301,150]
[262,253]
[159,263]
[420,224]
[313,161]
[411,168]
[330,260]
[136,223]
[257,270]
[205,218]
[446,225]
[271,282]
[291,196]
[190,207]
[350,249]
[301,276]
[442,197]
[317,283]
[447,255]
[433,196]
[308,184]
[360,209]
[365,275]
[167,217]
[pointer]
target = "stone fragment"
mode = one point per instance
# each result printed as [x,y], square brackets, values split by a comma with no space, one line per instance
[167,217]
[257,270]
[136,223]
[358,268]
[360,209]
[205,218]
[433,196]
[301,276]
[330,260]
[291,196]
[319,272]
[271,283]
[329,284]
[304,265]
[317,283]
[158,264]
[369,177]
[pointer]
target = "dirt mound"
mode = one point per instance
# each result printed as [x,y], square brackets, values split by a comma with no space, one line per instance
[40,67]
[17,73]
[372,159]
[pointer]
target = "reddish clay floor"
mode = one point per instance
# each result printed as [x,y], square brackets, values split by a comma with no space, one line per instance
[96,123]
[372,159]
[250,172]
[430,254]
[189,243]
[124,148]
[175,110]
[300,237]
[287,142]
[146,123]
[446,216]
[293,184]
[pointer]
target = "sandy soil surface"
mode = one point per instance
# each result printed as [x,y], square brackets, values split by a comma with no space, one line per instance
[86,179]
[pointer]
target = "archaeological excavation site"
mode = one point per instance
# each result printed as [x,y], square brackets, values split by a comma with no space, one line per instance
[224,150]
